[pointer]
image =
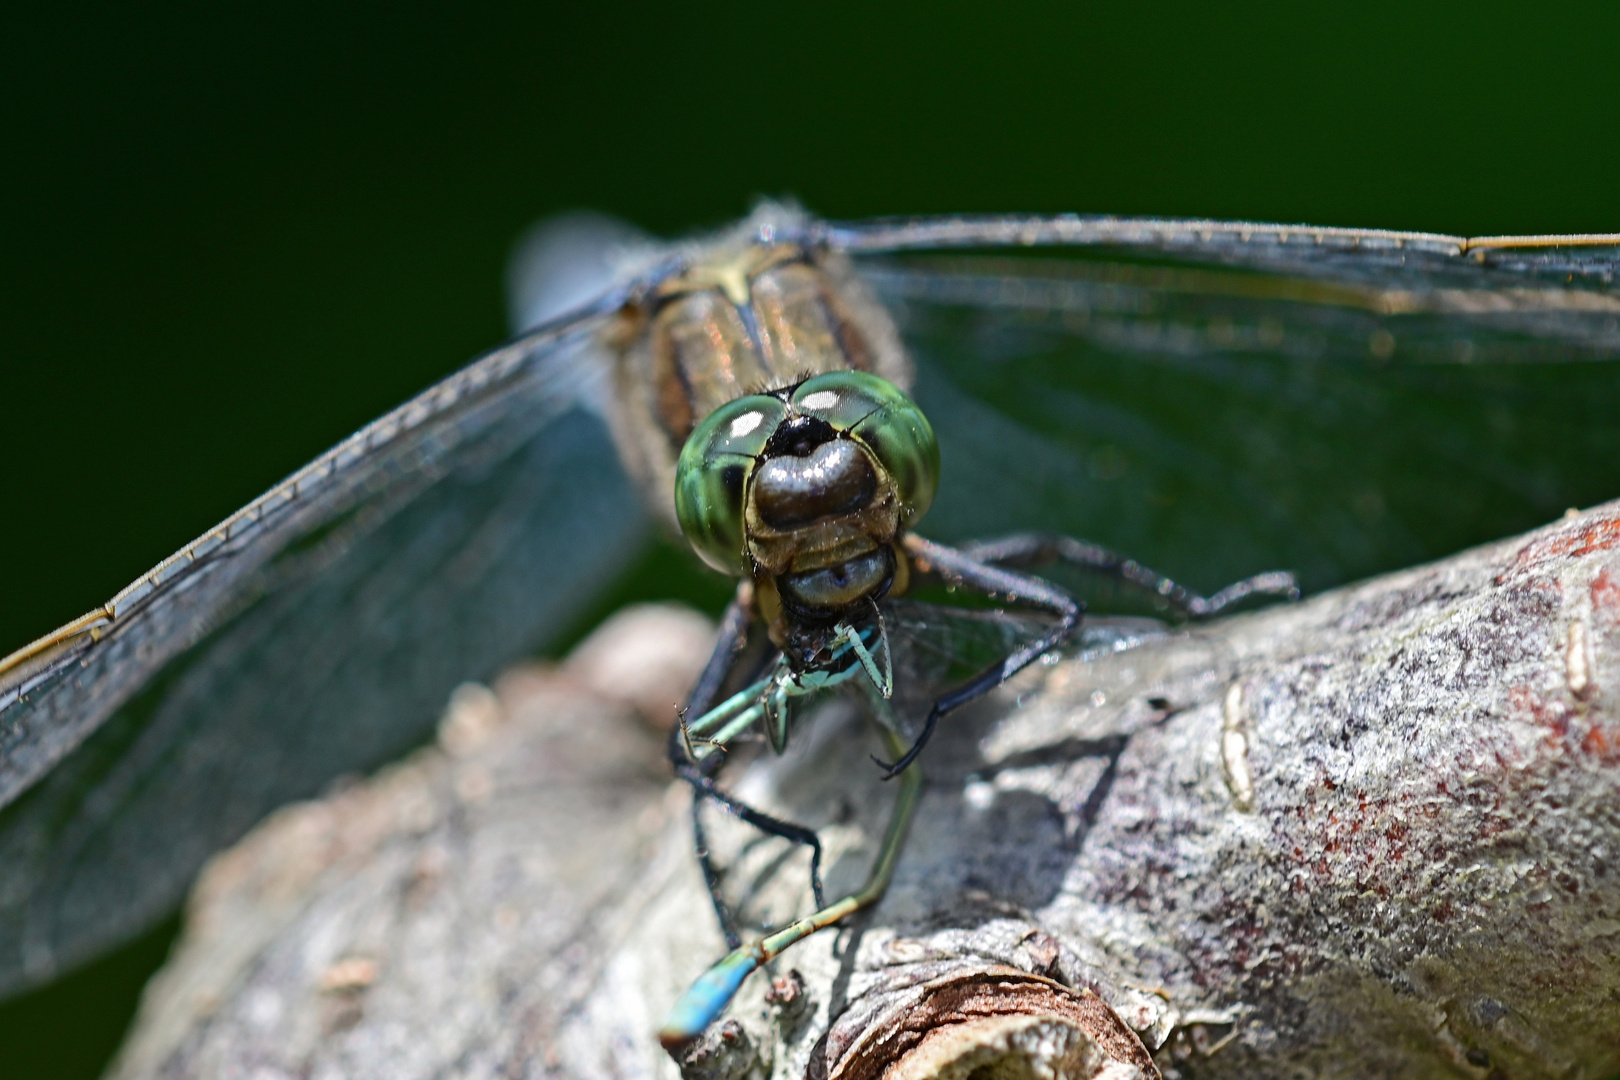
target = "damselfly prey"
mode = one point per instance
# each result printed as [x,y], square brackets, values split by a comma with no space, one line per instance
[1214,398]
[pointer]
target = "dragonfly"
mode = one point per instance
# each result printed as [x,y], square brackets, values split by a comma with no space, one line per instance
[805,478]
[1214,398]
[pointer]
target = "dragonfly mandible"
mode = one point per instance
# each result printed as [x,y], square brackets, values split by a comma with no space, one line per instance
[1212,397]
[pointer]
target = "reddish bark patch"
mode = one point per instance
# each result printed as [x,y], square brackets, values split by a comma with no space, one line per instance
[1598,534]
[1553,716]
[1569,730]
[1602,741]
[1605,592]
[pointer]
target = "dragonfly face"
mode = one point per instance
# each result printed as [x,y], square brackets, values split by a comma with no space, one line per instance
[806,490]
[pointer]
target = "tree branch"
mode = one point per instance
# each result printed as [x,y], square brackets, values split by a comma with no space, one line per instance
[1376,833]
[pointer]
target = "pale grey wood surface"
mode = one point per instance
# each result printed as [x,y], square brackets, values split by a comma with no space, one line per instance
[1376,833]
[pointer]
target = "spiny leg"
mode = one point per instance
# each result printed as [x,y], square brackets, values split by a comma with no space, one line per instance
[711,876]
[960,568]
[1037,549]
[728,644]
[733,632]
[699,773]
[709,995]
[705,788]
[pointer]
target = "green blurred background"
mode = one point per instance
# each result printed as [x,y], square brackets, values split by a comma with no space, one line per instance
[232,236]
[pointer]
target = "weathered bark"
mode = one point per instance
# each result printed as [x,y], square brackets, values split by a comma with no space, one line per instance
[1376,833]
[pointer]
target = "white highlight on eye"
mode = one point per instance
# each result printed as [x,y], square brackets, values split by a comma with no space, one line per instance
[821,399]
[746,423]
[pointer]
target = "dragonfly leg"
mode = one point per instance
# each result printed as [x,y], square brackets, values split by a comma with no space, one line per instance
[704,787]
[1037,549]
[733,633]
[711,875]
[708,997]
[969,571]
[700,773]
[732,636]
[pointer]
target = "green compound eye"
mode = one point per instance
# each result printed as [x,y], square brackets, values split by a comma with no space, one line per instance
[711,477]
[881,416]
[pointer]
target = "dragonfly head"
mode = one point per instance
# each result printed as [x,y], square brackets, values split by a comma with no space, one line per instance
[806,489]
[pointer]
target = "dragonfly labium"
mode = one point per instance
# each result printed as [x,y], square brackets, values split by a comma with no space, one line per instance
[1215,397]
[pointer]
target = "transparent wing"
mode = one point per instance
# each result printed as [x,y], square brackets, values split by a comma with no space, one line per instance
[316,632]
[939,646]
[1367,254]
[1217,399]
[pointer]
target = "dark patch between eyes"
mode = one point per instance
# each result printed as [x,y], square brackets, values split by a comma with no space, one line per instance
[799,436]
